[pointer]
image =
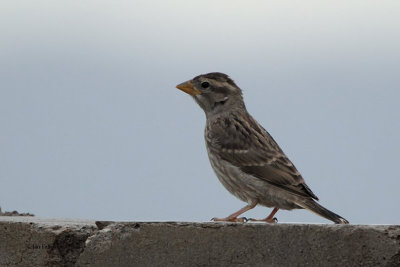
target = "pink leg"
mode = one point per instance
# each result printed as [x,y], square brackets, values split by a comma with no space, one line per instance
[234,216]
[269,219]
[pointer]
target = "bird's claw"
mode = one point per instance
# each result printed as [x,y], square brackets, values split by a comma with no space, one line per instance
[274,220]
[240,220]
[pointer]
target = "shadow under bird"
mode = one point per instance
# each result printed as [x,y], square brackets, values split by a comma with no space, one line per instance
[245,157]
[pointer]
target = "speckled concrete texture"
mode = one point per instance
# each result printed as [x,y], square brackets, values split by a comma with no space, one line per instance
[30,241]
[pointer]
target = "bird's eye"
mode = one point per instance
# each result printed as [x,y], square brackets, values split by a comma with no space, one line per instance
[205,84]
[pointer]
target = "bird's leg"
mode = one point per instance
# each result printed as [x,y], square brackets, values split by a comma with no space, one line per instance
[234,216]
[269,219]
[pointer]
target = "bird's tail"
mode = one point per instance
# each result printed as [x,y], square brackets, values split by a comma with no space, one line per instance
[313,206]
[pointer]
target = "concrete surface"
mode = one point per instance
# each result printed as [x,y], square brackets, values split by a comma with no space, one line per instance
[31,241]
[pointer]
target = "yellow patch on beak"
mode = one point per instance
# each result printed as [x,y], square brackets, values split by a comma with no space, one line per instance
[188,88]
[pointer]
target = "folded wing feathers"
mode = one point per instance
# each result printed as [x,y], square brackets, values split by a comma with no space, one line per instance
[245,144]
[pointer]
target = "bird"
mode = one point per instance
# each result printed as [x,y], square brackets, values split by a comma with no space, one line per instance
[244,156]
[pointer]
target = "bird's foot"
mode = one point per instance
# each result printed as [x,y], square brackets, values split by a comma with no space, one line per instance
[267,220]
[230,219]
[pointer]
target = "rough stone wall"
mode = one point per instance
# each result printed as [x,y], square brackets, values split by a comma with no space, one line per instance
[30,241]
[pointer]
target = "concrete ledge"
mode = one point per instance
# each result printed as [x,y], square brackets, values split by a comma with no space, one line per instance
[30,241]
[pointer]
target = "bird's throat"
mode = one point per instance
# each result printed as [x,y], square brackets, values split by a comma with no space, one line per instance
[219,103]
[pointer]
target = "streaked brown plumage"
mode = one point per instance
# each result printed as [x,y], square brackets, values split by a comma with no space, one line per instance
[244,156]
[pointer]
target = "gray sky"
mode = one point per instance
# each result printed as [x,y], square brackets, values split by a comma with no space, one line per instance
[93,127]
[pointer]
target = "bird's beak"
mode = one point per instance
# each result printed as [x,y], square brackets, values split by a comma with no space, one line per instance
[188,88]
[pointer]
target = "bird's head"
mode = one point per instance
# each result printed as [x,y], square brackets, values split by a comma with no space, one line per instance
[214,92]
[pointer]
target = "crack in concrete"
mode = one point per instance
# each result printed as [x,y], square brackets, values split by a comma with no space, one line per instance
[68,245]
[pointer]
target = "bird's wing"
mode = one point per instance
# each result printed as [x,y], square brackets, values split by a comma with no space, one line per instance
[244,143]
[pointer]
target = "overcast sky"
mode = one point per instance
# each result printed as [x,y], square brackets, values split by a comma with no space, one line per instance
[92,126]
